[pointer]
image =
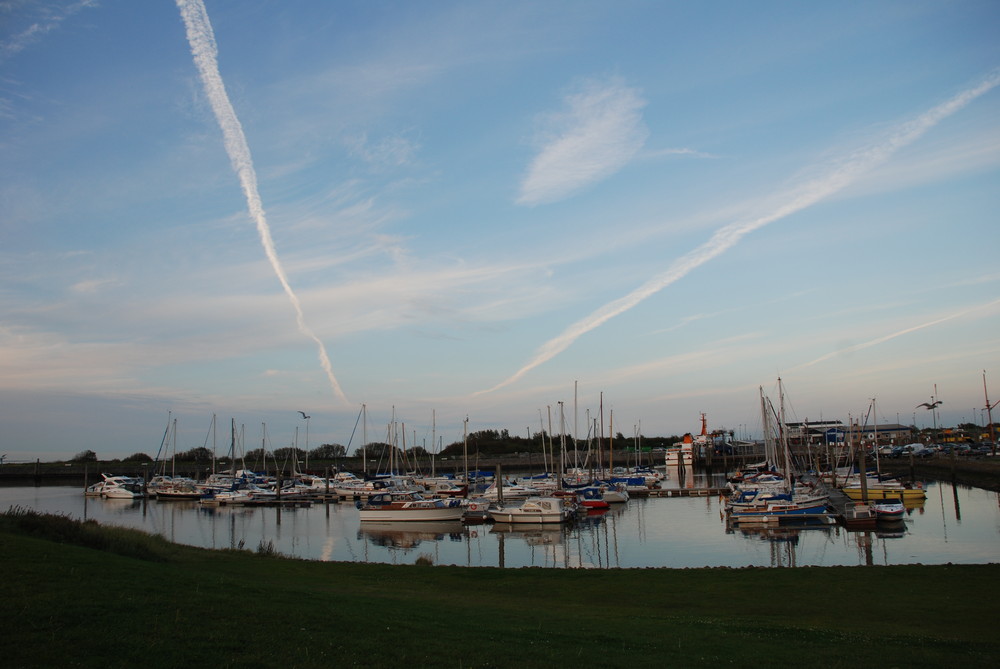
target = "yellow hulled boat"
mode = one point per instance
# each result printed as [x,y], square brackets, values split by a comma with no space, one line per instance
[883,490]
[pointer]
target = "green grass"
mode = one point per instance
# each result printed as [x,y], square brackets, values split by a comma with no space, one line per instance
[73,598]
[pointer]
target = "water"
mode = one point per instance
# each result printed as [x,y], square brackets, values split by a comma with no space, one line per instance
[955,524]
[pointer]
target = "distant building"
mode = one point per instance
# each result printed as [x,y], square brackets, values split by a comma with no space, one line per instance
[815,433]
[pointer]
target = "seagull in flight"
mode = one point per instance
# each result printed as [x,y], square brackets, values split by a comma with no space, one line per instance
[928,405]
[304,415]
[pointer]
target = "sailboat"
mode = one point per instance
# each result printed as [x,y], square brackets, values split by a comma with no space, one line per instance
[879,487]
[776,497]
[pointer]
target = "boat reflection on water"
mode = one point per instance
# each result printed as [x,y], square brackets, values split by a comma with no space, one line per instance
[912,505]
[775,531]
[955,524]
[890,529]
[589,541]
[410,534]
[533,535]
[782,540]
[546,543]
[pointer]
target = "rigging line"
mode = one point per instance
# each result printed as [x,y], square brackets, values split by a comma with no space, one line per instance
[358,420]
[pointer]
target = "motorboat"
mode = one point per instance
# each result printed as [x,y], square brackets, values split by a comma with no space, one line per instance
[615,493]
[535,510]
[409,506]
[176,489]
[859,516]
[224,497]
[509,491]
[888,508]
[116,487]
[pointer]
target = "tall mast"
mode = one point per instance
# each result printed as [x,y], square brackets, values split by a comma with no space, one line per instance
[173,459]
[576,426]
[465,454]
[600,441]
[782,429]
[552,458]
[541,433]
[562,444]
[232,446]
[878,462]
[989,414]
[611,440]
[765,428]
[213,443]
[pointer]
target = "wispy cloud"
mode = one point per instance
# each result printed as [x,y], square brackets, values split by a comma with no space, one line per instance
[386,153]
[832,179]
[90,286]
[202,40]
[677,152]
[46,23]
[600,131]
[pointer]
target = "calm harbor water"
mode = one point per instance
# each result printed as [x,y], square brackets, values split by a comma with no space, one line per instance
[955,524]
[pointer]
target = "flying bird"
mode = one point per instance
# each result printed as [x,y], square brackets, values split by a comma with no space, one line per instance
[304,415]
[928,405]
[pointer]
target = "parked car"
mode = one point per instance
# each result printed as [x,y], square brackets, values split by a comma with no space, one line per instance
[919,450]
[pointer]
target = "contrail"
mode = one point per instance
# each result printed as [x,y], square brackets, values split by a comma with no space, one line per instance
[893,335]
[837,178]
[202,40]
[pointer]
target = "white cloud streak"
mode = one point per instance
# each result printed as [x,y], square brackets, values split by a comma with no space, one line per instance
[894,335]
[600,133]
[49,22]
[202,40]
[836,178]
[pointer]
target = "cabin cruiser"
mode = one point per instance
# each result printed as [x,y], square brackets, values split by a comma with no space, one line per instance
[116,487]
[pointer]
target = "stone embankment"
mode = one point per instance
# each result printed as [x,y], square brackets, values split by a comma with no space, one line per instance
[979,472]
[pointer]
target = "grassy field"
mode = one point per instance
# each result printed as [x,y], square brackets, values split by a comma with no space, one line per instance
[79,594]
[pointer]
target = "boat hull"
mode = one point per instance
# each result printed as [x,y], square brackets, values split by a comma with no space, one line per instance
[118,493]
[514,518]
[534,511]
[773,510]
[875,492]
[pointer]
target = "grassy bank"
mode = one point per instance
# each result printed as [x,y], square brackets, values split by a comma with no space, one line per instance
[77,594]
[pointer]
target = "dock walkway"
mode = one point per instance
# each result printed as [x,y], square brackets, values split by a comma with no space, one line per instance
[680,492]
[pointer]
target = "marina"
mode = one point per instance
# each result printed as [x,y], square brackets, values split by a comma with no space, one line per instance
[679,527]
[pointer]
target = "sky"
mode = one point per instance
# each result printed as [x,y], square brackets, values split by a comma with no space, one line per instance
[614,216]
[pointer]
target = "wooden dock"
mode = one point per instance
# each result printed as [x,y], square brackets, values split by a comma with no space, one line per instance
[680,492]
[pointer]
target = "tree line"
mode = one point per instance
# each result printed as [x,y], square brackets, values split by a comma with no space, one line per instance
[483,442]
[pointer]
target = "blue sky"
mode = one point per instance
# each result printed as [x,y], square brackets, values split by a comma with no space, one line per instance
[478,209]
